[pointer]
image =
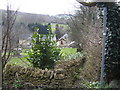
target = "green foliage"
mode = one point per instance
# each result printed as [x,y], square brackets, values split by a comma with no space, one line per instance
[44,51]
[76,76]
[112,49]
[95,85]
[91,85]
[17,84]
[67,53]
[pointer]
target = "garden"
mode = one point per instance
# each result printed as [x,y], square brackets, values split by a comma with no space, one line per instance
[45,64]
[44,61]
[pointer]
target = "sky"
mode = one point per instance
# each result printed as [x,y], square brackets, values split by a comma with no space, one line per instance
[50,7]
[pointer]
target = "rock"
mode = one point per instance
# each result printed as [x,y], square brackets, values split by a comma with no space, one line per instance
[47,74]
[60,71]
[59,76]
[42,72]
[52,74]
[36,74]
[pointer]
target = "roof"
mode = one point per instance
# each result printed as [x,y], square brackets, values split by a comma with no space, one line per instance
[64,37]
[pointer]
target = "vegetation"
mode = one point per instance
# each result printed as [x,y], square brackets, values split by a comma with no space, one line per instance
[21,61]
[17,84]
[71,53]
[93,85]
[85,28]
[44,51]
[62,27]
[112,62]
[67,53]
[112,53]
[9,18]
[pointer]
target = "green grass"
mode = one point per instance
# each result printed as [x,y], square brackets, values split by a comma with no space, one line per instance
[22,61]
[64,51]
[70,53]
[25,52]
[67,53]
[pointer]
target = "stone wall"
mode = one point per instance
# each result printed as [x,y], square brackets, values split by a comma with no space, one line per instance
[63,75]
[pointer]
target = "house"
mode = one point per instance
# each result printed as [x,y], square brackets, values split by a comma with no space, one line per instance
[63,41]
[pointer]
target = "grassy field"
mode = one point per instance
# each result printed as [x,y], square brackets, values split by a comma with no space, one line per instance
[22,60]
[68,51]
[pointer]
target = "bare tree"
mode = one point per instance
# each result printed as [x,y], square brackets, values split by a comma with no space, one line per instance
[86,29]
[59,31]
[9,18]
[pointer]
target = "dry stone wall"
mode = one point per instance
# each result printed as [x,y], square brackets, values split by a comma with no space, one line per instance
[62,76]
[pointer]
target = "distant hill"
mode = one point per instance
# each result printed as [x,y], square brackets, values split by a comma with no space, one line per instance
[64,16]
[38,18]
[23,19]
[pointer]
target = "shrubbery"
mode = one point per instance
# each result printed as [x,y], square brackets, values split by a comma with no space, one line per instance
[44,52]
[93,85]
[86,29]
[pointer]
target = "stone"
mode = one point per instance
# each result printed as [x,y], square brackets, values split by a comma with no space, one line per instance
[51,75]
[60,71]
[46,75]
[36,74]
[59,76]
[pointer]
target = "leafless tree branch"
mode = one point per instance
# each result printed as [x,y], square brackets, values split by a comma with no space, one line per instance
[9,19]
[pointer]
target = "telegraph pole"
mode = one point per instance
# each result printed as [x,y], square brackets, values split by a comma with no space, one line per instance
[103,47]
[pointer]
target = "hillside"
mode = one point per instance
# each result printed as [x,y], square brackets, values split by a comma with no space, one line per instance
[39,18]
[23,19]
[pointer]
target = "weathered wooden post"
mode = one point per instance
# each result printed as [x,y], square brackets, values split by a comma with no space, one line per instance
[0,52]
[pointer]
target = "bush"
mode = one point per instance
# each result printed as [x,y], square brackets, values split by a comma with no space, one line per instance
[44,51]
[95,85]
[85,28]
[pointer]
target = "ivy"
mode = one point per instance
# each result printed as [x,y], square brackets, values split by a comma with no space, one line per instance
[112,49]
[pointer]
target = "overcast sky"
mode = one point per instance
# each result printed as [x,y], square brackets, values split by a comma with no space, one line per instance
[50,7]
